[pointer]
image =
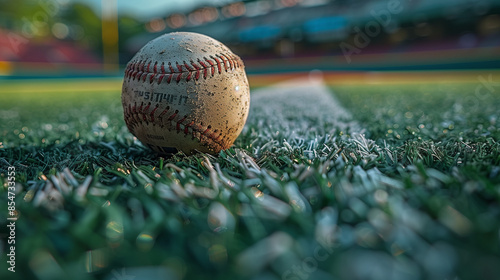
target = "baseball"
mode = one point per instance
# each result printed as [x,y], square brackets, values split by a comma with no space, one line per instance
[185,92]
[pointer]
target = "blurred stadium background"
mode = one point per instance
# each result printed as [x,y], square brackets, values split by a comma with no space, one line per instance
[69,38]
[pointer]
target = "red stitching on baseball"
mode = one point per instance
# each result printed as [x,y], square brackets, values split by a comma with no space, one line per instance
[134,70]
[206,136]
[133,108]
[128,113]
[207,130]
[217,62]
[134,113]
[197,76]
[195,65]
[161,78]
[139,111]
[231,63]
[204,67]
[173,116]
[141,69]
[188,67]
[179,66]
[160,117]
[152,114]
[178,124]
[186,127]
[224,61]
[144,112]
[212,67]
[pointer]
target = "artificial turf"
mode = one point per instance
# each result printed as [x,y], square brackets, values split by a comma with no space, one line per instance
[396,181]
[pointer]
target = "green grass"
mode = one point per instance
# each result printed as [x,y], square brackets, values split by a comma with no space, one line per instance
[444,126]
[405,186]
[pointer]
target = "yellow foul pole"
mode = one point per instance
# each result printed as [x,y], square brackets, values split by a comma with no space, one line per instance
[109,19]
